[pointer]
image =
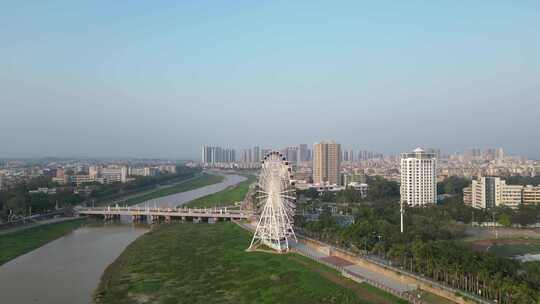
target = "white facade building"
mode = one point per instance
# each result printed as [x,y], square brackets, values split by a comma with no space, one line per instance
[491,191]
[418,178]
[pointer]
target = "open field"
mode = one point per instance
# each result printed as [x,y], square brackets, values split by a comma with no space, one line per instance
[515,249]
[507,248]
[204,263]
[485,233]
[198,182]
[225,197]
[18,243]
[431,298]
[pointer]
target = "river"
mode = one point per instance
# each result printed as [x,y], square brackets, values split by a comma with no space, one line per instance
[181,198]
[67,270]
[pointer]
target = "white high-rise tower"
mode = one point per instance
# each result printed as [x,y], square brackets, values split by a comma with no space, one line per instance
[418,178]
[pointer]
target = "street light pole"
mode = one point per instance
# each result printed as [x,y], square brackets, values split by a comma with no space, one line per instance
[401,214]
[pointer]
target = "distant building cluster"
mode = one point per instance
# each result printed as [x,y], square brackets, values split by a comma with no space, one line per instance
[217,155]
[109,174]
[95,174]
[249,158]
[490,191]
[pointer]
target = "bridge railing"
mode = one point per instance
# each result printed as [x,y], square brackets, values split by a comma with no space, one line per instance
[127,209]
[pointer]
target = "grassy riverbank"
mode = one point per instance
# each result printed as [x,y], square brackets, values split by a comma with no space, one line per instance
[18,243]
[225,197]
[198,182]
[205,263]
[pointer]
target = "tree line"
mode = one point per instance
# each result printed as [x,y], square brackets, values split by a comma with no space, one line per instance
[430,244]
[18,201]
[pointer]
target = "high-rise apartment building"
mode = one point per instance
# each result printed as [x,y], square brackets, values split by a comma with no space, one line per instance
[303,153]
[291,153]
[326,163]
[265,152]
[418,178]
[256,154]
[213,155]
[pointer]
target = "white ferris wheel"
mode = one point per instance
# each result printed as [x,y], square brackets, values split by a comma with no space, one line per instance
[277,197]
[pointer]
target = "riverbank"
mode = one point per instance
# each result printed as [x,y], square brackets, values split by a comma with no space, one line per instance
[35,224]
[207,263]
[225,197]
[204,179]
[18,243]
[68,269]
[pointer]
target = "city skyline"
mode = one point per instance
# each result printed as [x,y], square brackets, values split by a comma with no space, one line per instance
[162,79]
[346,148]
[270,152]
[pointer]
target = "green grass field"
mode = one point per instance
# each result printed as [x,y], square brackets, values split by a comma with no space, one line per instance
[207,263]
[225,197]
[511,250]
[18,243]
[201,181]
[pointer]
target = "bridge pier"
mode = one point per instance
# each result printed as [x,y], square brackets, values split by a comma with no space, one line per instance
[197,220]
[213,220]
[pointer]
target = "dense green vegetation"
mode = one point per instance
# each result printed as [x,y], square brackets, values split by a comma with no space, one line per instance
[522,180]
[197,182]
[225,197]
[18,201]
[453,185]
[18,243]
[431,242]
[379,188]
[189,263]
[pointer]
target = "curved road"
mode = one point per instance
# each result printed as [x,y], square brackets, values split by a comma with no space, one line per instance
[178,199]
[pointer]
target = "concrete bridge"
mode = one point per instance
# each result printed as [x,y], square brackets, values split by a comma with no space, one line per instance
[166,214]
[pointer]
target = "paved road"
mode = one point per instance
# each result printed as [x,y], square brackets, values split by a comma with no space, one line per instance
[356,269]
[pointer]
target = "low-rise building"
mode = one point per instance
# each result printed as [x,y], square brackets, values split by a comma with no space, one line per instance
[490,191]
[43,190]
[360,187]
[467,196]
[80,179]
[511,195]
[531,194]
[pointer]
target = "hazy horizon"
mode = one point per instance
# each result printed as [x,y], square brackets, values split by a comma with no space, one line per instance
[160,79]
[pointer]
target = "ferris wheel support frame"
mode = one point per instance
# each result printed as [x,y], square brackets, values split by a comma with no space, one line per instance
[275,225]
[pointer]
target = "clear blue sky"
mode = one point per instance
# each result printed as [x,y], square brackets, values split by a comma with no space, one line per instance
[161,78]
